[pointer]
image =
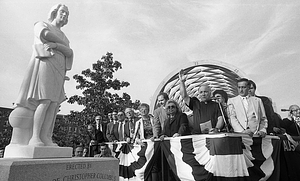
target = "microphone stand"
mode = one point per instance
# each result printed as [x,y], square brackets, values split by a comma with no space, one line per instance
[221,109]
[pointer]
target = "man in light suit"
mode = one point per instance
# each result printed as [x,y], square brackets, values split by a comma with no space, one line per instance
[247,114]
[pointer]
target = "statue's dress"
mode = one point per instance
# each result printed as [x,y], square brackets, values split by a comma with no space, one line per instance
[45,76]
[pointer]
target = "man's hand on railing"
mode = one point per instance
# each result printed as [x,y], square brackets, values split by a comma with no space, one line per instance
[249,132]
[140,142]
[162,137]
[213,130]
[153,138]
[261,134]
[176,135]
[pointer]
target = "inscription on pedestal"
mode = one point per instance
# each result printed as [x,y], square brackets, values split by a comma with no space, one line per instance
[86,175]
[71,169]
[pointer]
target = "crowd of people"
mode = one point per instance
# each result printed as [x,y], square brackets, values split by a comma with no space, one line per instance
[212,112]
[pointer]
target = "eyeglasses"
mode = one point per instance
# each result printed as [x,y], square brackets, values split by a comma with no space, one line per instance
[120,114]
[295,110]
[171,107]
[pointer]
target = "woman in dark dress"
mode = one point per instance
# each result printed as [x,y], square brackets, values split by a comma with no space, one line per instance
[177,122]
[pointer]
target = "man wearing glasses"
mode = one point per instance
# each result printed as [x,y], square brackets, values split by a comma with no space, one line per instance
[292,123]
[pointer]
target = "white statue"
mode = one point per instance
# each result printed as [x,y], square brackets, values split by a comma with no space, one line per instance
[42,90]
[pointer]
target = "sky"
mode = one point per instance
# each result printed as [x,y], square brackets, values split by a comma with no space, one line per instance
[152,38]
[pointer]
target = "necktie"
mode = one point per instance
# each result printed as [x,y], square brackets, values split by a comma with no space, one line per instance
[121,135]
[245,103]
[131,129]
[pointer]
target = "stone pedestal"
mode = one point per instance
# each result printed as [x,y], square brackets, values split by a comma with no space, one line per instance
[26,151]
[60,169]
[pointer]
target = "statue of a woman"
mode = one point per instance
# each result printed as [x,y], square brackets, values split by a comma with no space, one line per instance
[42,90]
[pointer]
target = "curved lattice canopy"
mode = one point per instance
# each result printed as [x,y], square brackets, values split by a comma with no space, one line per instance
[217,75]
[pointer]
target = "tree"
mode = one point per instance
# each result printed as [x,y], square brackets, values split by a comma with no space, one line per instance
[97,86]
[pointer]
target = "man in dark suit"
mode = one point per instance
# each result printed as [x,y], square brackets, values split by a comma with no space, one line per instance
[101,125]
[291,124]
[271,117]
[94,137]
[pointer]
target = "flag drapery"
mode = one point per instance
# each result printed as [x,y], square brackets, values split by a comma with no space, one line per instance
[225,156]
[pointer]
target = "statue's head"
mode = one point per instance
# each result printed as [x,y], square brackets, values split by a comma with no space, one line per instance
[53,12]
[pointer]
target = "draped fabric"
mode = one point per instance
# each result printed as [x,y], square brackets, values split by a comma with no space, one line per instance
[45,76]
[205,157]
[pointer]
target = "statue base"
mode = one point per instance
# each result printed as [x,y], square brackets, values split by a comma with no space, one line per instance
[60,169]
[26,151]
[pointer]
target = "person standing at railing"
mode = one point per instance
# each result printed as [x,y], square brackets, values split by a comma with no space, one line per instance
[291,124]
[160,114]
[94,137]
[247,114]
[177,122]
[268,106]
[144,126]
[110,126]
[129,125]
[101,125]
[144,130]
[221,97]
[207,117]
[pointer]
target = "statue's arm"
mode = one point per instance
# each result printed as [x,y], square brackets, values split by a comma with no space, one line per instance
[59,44]
[47,35]
[68,52]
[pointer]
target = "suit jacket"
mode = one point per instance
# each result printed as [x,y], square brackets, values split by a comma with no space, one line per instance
[160,116]
[114,135]
[254,119]
[97,136]
[109,132]
[129,129]
[271,117]
[104,130]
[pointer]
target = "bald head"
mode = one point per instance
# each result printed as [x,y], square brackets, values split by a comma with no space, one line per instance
[204,92]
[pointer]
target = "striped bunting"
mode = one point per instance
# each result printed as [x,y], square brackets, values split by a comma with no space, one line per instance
[228,157]
[135,161]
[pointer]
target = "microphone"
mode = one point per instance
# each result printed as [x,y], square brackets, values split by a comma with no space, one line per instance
[285,110]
